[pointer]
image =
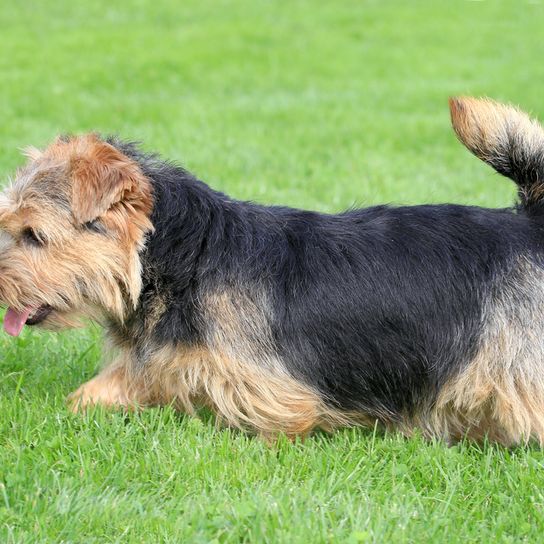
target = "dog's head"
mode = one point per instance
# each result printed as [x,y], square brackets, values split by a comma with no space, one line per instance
[71,227]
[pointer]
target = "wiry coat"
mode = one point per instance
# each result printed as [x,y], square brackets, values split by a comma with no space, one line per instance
[284,320]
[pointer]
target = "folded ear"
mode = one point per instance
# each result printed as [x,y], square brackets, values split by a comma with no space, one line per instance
[102,177]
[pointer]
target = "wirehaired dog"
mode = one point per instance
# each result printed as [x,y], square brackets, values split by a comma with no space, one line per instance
[282,320]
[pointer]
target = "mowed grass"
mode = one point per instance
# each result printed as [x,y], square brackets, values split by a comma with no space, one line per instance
[322,105]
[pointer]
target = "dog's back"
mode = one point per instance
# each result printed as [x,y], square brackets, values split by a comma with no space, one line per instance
[428,316]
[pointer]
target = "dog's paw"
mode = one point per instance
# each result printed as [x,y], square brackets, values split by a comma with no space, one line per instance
[107,391]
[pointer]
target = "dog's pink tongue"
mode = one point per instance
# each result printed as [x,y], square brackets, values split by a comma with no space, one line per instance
[15,321]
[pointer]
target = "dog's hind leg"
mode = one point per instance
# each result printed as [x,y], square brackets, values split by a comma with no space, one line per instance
[500,393]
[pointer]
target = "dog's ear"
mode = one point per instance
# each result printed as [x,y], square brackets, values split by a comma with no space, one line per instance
[103,177]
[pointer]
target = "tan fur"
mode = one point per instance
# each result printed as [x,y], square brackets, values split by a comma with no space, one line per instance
[70,183]
[243,396]
[501,392]
[238,323]
[235,374]
[484,125]
[499,133]
[109,389]
[32,153]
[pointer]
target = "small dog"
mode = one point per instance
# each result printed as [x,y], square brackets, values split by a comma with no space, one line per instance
[282,320]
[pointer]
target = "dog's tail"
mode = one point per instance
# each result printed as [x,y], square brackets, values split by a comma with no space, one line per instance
[507,139]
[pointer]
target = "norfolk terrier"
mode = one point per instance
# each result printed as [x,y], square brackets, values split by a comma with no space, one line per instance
[423,317]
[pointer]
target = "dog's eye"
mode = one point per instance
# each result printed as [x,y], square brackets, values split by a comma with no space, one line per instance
[95,226]
[31,237]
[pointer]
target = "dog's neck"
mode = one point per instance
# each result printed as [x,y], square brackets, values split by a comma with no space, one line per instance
[188,218]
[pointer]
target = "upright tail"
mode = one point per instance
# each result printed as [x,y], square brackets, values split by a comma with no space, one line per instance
[505,138]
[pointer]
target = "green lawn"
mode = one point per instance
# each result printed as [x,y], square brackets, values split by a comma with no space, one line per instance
[322,105]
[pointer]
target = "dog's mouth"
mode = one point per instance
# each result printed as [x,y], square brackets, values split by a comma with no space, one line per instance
[14,320]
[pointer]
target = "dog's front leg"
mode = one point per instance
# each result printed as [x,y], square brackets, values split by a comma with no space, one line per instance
[109,388]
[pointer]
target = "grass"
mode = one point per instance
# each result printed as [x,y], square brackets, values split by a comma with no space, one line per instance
[321,105]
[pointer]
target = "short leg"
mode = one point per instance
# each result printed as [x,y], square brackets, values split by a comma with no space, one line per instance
[108,388]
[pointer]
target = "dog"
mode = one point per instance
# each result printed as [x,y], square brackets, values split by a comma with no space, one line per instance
[280,320]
